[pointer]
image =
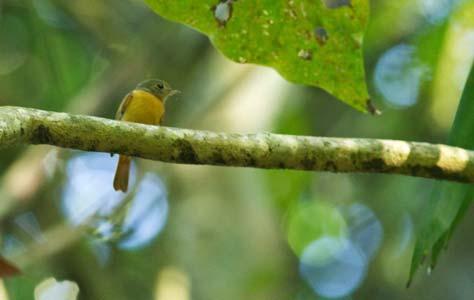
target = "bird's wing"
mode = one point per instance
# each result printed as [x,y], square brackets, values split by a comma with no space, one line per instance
[123,106]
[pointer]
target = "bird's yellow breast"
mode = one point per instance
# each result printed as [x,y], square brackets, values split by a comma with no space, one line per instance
[144,108]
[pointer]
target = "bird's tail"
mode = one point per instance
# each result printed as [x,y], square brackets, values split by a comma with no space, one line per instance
[121,175]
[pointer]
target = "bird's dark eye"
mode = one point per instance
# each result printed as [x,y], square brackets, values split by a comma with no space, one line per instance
[159,85]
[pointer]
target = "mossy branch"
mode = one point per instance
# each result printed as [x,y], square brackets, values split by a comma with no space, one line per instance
[263,150]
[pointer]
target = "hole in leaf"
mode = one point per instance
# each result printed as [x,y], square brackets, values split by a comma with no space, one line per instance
[321,35]
[223,12]
[337,3]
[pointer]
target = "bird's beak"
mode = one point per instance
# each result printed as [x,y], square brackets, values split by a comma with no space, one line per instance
[174,92]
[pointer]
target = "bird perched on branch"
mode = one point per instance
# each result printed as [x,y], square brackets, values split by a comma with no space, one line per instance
[146,105]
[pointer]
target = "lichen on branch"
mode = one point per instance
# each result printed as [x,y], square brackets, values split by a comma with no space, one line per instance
[262,150]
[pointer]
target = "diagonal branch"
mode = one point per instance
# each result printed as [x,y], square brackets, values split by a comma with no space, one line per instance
[264,150]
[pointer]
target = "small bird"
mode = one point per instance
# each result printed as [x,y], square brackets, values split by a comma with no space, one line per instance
[146,105]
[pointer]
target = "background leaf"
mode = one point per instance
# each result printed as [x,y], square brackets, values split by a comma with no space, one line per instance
[317,43]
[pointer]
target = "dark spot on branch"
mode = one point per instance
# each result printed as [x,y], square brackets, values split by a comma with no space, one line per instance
[186,153]
[376,164]
[354,157]
[93,146]
[416,170]
[436,171]
[330,166]
[122,150]
[22,131]
[308,162]
[250,160]
[77,143]
[253,162]
[218,158]
[232,159]
[42,135]
[270,149]
[431,171]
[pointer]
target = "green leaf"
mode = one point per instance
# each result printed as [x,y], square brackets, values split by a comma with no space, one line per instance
[449,201]
[317,43]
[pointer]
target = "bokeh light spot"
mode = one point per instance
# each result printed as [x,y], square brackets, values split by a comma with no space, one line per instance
[340,273]
[399,75]
[88,196]
[148,213]
[435,11]
[334,245]
[312,220]
[365,229]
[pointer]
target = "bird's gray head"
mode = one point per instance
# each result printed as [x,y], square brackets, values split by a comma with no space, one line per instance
[159,88]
